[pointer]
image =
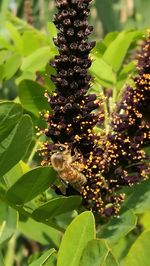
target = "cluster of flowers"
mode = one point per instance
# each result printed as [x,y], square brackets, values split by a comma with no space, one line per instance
[72,121]
[111,160]
[122,160]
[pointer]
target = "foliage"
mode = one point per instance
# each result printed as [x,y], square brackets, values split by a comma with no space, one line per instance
[106,16]
[66,234]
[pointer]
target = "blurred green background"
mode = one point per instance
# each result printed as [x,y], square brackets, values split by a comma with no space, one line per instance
[106,16]
[26,45]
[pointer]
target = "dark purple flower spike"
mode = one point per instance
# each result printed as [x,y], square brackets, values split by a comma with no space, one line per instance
[111,160]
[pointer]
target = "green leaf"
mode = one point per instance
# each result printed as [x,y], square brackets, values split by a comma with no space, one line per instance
[62,221]
[50,86]
[107,15]
[20,137]
[52,30]
[15,173]
[142,18]
[139,200]
[139,253]
[1,259]
[56,207]
[31,184]
[117,50]
[8,222]
[43,259]
[3,55]
[118,227]
[15,36]
[102,72]
[4,44]
[76,237]
[124,75]
[52,261]
[99,49]
[121,248]
[25,75]
[110,37]
[110,260]
[42,233]
[31,42]
[12,65]
[1,72]
[94,253]
[37,60]
[145,220]
[10,114]
[3,189]
[32,98]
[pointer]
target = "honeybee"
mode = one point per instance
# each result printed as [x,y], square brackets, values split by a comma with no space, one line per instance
[69,170]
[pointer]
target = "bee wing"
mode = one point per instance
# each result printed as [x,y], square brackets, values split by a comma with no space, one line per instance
[78,187]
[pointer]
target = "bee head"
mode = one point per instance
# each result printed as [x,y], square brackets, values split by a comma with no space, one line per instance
[62,148]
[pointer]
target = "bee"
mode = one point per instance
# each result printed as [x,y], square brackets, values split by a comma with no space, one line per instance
[67,166]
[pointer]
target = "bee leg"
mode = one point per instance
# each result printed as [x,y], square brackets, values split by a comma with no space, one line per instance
[61,185]
[76,155]
[78,158]
[64,185]
[63,189]
[81,167]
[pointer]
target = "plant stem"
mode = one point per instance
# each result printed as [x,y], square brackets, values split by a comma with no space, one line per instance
[9,258]
[34,150]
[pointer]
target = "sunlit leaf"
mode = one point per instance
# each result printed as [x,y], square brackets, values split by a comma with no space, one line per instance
[30,41]
[15,36]
[102,72]
[117,50]
[3,55]
[124,75]
[139,253]
[25,75]
[76,237]
[37,60]
[11,66]
[52,30]
[110,37]
[15,173]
